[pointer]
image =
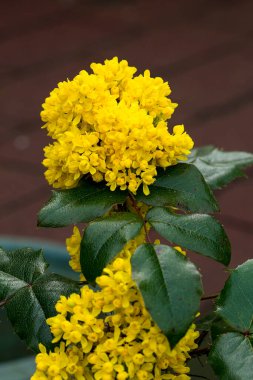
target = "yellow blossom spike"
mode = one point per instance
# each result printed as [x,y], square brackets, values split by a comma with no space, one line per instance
[112,126]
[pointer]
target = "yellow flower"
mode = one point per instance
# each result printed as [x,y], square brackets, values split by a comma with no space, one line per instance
[111,126]
[116,74]
[62,363]
[179,249]
[73,248]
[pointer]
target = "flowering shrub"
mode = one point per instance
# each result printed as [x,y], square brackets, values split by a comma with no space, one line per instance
[134,313]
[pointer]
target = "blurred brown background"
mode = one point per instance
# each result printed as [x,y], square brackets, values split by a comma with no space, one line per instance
[202,47]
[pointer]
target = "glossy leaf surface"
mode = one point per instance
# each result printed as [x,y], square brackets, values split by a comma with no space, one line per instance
[170,285]
[235,304]
[181,186]
[82,204]
[103,239]
[29,294]
[199,233]
[232,357]
[220,168]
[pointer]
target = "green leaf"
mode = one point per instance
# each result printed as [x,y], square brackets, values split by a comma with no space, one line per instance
[19,268]
[29,294]
[81,204]
[232,352]
[103,239]
[170,285]
[181,186]
[232,357]
[235,303]
[220,168]
[197,232]
[218,327]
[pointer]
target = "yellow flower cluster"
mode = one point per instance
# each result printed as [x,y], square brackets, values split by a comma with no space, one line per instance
[108,334]
[112,126]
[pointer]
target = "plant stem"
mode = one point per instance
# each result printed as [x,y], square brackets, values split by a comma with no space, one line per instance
[200,352]
[210,297]
[2,303]
[138,211]
[201,337]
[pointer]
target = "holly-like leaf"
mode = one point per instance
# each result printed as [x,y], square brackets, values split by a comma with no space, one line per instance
[232,353]
[232,357]
[84,203]
[235,303]
[220,168]
[29,294]
[218,327]
[170,285]
[103,239]
[198,232]
[181,186]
